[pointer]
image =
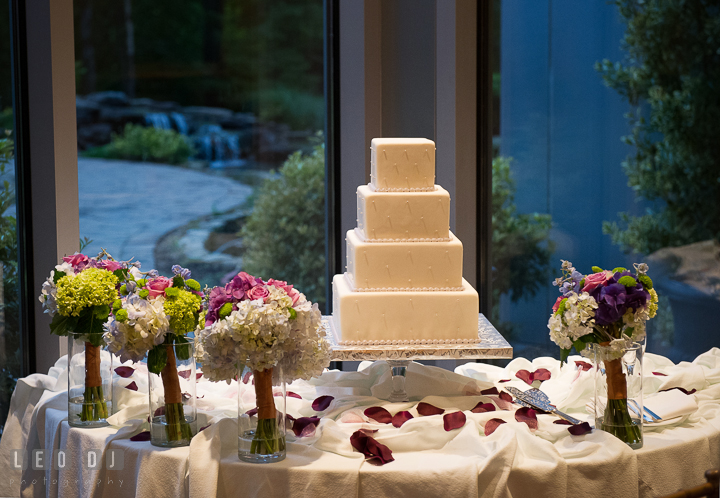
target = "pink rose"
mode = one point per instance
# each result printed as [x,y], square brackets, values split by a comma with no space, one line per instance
[108,265]
[277,283]
[157,286]
[557,304]
[596,279]
[76,259]
[258,292]
[293,293]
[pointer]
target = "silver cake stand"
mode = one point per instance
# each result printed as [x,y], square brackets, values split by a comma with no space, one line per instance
[490,345]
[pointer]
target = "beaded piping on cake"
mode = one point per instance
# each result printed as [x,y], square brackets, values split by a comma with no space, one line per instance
[407,342]
[410,189]
[434,239]
[351,282]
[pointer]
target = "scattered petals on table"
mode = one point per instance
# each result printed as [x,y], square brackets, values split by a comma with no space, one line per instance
[132,386]
[528,416]
[367,431]
[583,365]
[506,397]
[375,453]
[541,374]
[660,374]
[493,424]
[580,429]
[492,390]
[246,377]
[320,404]
[453,421]
[203,428]
[143,436]
[426,409]
[251,412]
[502,402]
[289,394]
[505,380]
[378,414]
[400,418]
[185,374]
[124,372]
[305,426]
[681,389]
[483,407]
[160,411]
[198,375]
[562,421]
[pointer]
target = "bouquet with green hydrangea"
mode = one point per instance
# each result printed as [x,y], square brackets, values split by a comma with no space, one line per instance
[153,319]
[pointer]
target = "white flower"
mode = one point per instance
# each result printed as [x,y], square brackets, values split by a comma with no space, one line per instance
[144,328]
[577,320]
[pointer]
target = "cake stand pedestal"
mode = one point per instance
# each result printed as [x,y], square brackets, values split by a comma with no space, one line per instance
[490,345]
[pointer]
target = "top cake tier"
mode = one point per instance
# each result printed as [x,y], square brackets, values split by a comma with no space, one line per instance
[402,164]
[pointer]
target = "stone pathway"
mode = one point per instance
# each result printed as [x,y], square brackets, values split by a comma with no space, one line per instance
[126,206]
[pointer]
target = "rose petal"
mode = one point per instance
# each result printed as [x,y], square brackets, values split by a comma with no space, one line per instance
[289,394]
[143,436]
[505,380]
[492,390]
[368,431]
[351,418]
[124,372]
[580,429]
[400,418]
[681,389]
[660,374]
[378,414]
[528,416]
[185,374]
[246,377]
[375,453]
[251,412]
[583,365]
[300,425]
[159,411]
[525,376]
[493,424]
[502,402]
[483,407]
[198,375]
[562,421]
[132,386]
[426,409]
[321,403]
[506,397]
[453,421]
[541,374]
[203,428]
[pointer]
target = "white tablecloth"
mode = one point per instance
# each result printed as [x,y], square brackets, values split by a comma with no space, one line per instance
[429,461]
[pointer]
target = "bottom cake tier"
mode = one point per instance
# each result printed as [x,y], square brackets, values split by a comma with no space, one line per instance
[404,317]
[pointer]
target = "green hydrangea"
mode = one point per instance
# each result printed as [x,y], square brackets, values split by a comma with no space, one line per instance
[91,287]
[596,269]
[183,311]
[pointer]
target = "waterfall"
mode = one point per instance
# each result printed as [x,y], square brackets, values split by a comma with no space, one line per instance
[180,122]
[158,120]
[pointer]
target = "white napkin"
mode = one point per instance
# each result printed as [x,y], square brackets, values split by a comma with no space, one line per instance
[671,404]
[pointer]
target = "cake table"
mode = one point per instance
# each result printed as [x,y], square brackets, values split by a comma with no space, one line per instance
[490,345]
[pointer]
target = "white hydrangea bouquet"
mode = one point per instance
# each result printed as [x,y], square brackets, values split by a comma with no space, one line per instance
[261,325]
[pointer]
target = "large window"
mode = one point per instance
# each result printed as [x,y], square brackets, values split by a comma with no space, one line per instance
[199,136]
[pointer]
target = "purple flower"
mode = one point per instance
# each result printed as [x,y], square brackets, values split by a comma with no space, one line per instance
[611,303]
[183,272]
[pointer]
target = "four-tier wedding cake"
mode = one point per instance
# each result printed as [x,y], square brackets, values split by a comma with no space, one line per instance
[403,282]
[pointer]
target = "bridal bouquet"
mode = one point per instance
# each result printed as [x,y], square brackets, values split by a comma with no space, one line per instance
[153,318]
[78,295]
[262,325]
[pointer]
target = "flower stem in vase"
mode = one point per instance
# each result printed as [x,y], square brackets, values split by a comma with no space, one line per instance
[267,439]
[176,426]
[616,418]
[94,404]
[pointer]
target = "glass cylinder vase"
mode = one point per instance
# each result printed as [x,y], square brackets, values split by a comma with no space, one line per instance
[618,392]
[89,382]
[173,412]
[261,429]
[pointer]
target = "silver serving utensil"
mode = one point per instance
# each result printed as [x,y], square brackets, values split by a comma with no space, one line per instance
[634,407]
[535,398]
[655,416]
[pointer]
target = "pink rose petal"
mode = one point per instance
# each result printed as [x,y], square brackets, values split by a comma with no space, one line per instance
[541,374]
[660,374]
[453,421]
[132,386]
[351,418]
[251,412]
[492,390]
[400,418]
[528,416]
[300,426]
[525,376]
[493,424]
[246,377]
[124,372]
[375,453]
[143,436]
[368,431]
[378,414]
[583,365]
[580,429]
[681,389]
[426,409]
[320,404]
[185,374]
[483,407]
[502,402]
[562,421]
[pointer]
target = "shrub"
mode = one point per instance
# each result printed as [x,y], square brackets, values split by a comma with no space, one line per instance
[139,143]
[284,237]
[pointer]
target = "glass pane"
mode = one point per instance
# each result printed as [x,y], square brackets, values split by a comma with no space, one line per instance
[10,342]
[199,136]
[566,151]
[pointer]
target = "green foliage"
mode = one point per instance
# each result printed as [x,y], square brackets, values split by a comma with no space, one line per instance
[284,237]
[672,69]
[521,246]
[139,143]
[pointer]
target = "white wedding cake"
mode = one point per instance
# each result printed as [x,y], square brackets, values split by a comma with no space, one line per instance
[403,282]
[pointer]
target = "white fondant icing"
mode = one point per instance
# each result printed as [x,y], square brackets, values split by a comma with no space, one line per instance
[402,163]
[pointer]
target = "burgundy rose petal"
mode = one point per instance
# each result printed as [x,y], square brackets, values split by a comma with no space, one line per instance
[124,372]
[492,390]
[541,374]
[378,414]
[375,453]
[143,436]
[493,424]
[203,428]
[525,376]
[453,421]
[291,394]
[681,389]
[185,374]
[505,380]
[660,374]
[132,386]
[580,429]
[251,412]
[198,375]
[528,416]
[289,417]
[300,424]
[246,377]
[400,418]
[483,407]
[159,411]
[321,403]
[583,365]
[426,409]
[562,421]
[506,397]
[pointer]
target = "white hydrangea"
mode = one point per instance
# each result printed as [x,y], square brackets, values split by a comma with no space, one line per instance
[576,320]
[48,295]
[144,328]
